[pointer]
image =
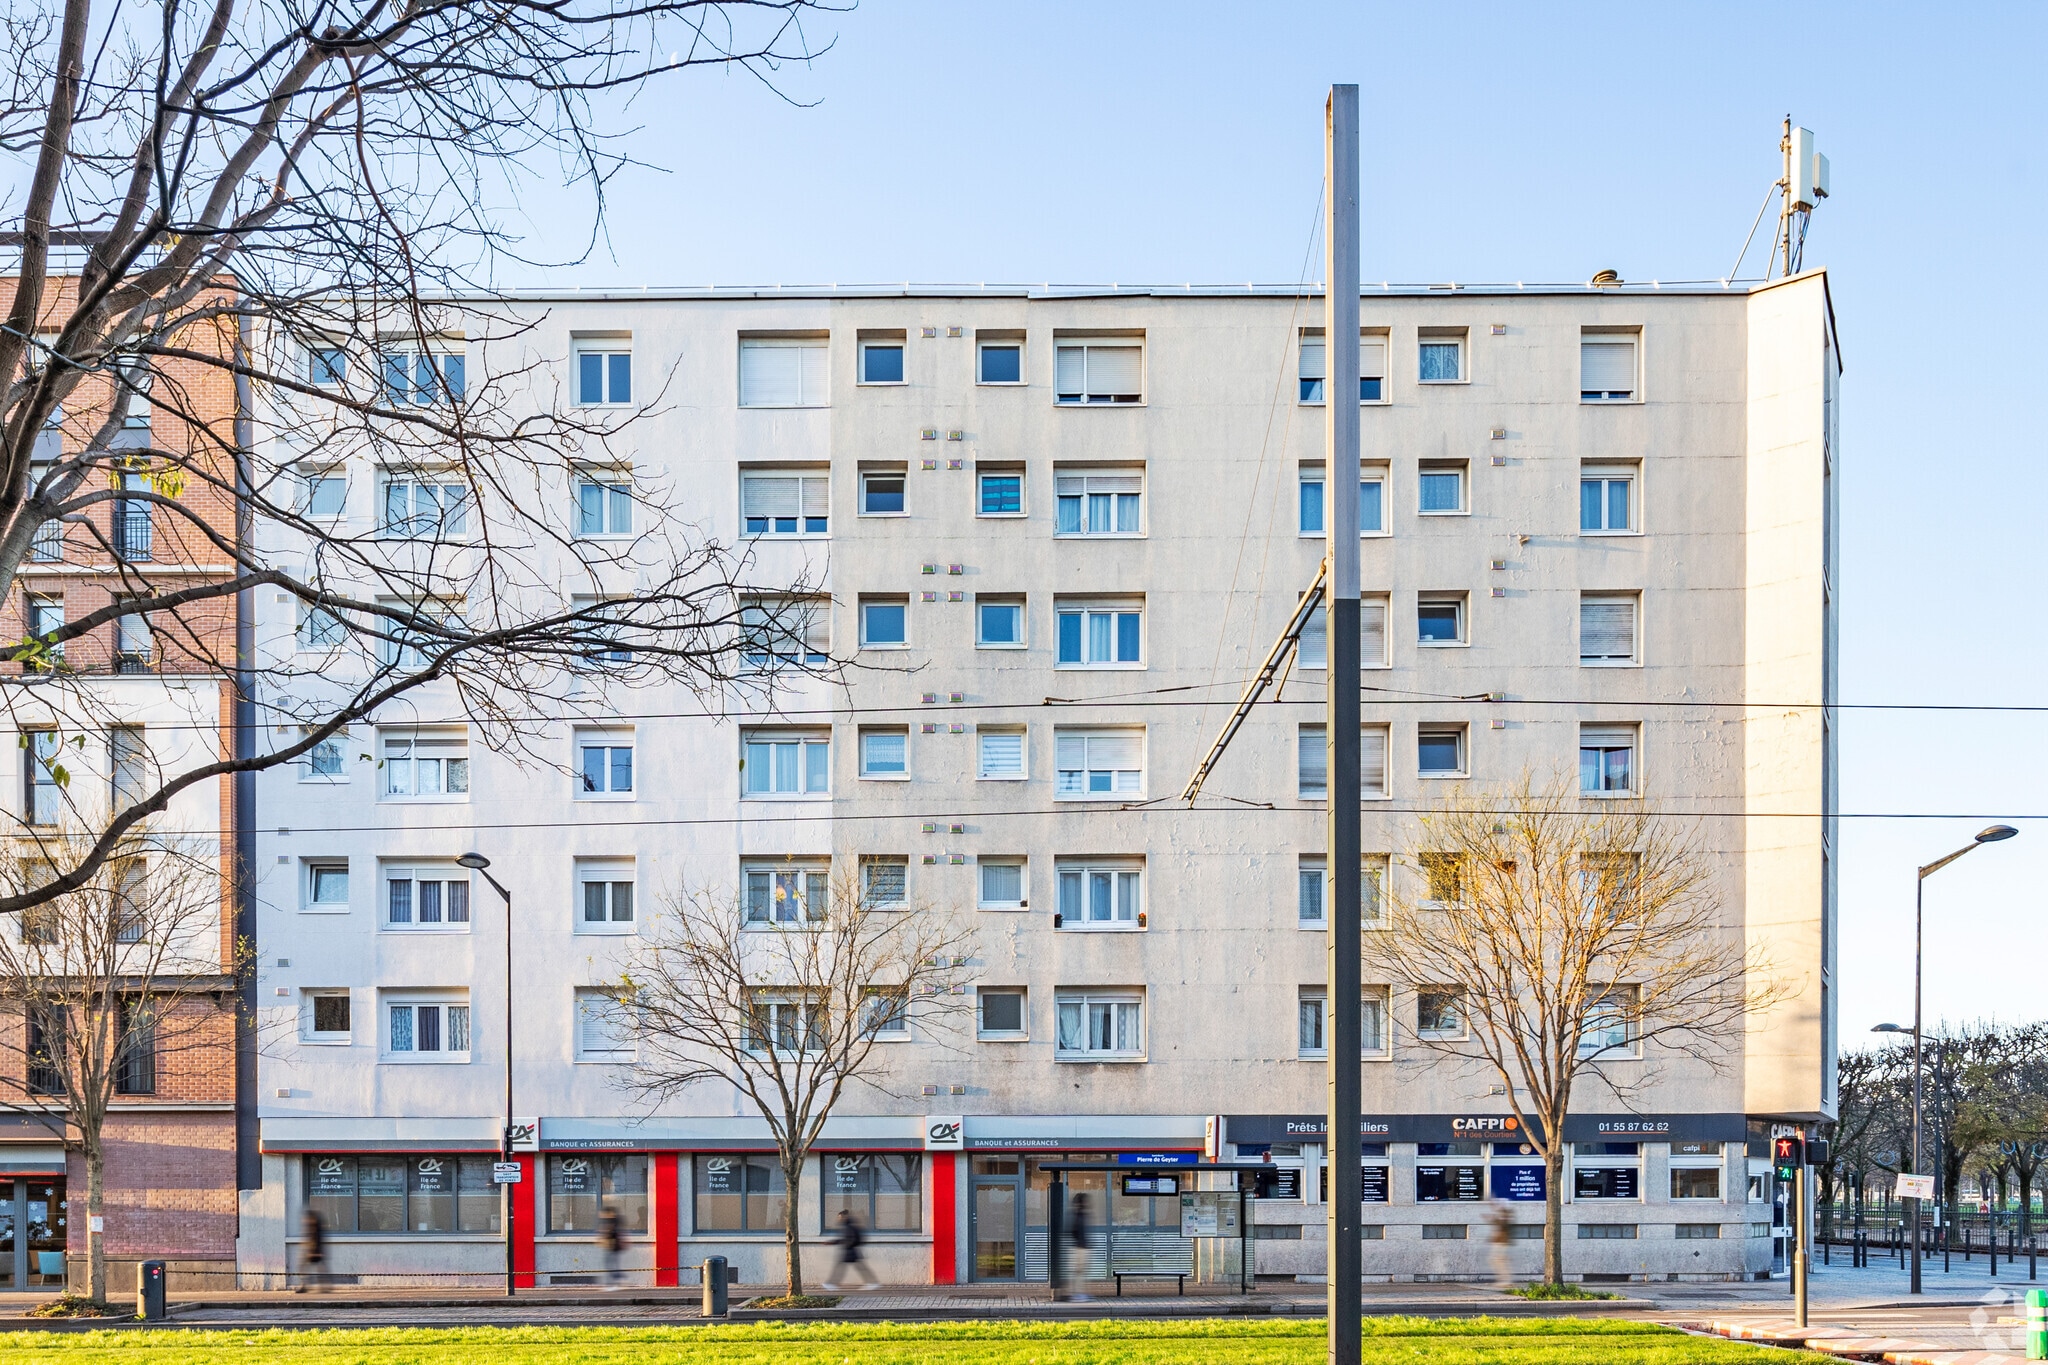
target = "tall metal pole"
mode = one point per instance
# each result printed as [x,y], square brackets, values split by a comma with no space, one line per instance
[1340,387]
[1919,894]
[511,1197]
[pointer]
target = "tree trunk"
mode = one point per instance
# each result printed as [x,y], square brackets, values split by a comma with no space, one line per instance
[1553,1214]
[95,1208]
[792,1222]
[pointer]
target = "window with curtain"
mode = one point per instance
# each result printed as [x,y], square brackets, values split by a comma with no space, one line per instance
[1109,503]
[1441,358]
[426,1030]
[1607,628]
[786,632]
[426,897]
[1105,635]
[422,377]
[1607,367]
[785,504]
[1096,1025]
[1607,499]
[786,893]
[424,509]
[604,506]
[1002,883]
[1607,760]
[1096,894]
[1111,371]
[425,766]
[786,763]
[1372,501]
[1099,763]
[1313,889]
[885,752]
[784,372]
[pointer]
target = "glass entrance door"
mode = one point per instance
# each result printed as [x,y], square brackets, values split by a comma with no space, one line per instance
[995,1227]
[10,1239]
[45,1227]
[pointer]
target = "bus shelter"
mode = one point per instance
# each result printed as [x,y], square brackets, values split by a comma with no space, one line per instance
[1215,1220]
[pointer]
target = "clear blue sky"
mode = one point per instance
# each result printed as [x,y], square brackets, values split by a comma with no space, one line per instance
[1182,142]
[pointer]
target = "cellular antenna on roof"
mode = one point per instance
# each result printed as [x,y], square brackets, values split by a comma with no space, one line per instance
[1802,184]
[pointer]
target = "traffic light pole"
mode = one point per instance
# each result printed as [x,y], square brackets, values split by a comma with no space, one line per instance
[1802,1255]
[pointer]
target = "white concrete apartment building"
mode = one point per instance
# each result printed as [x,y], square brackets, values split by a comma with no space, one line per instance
[1058,528]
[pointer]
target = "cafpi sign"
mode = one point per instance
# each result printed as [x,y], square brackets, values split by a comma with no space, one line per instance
[945,1133]
[1481,1127]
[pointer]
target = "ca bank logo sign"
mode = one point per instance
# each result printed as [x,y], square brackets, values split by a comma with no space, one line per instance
[945,1133]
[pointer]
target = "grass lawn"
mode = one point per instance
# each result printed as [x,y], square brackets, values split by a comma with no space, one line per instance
[1420,1341]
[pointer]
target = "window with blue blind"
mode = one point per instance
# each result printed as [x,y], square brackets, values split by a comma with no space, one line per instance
[1108,636]
[424,378]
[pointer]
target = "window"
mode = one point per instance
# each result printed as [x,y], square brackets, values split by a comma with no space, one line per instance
[327,1019]
[45,619]
[318,628]
[423,376]
[1440,750]
[1098,895]
[1374,1040]
[1310,1010]
[881,361]
[786,1023]
[739,1194]
[884,622]
[1607,629]
[604,505]
[327,886]
[786,763]
[787,633]
[1002,883]
[604,896]
[323,762]
[1313,1021]
[1105,504]
[45,1052]
[1106,635]
[128,764]
[434,1030]
[998,623]
[1607,367]
[885,1013]
[1442,487]
[135,1052]
[999,492]
[1696,1182]
[1099,763]
[1372,366]
[885,882]
[581,1188]
[604,373]
[1441,356]
[1605,1182]
[1372,500]
[326,367]
[1439,1012]
[1607,1232]
[1444,874]
[604,1027]
[604,763]
[883,1193]
[1607,500]
[1002,1012]
[1607,760]
[43,797]
[1312,763]
[1312,891]
[783,372]
[786,893]
[1099,372]
[1099,1026]
[881,493]
[402,1194]
[884,752]
[1440,620]
[426,898]
[1698,1232]
[424,508]
[785,504]
[1372,635]
[999,359]
[325,494]
[408,639]
[1001,755]
[426,767]
[1610,1025]
[131,532]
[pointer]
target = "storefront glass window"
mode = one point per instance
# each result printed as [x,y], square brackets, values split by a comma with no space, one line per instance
[739,1193]
[580,1187]
[886,1193]
[429,1192]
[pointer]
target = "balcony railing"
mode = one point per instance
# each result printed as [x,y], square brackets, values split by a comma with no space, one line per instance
[133,534]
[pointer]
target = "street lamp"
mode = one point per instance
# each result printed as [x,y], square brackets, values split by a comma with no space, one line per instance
[1993,834]
[478,863]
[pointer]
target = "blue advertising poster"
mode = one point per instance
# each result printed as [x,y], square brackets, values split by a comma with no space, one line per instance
[1518,1183]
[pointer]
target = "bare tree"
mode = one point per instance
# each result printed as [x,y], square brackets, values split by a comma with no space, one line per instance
[1549,934]
[250,251]
[105,987]
[789,993]
[1873,1107]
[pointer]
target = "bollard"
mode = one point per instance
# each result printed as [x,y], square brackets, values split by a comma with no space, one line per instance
[2033,1266]
[1966,1244]
[2037,1324]
[149,1291]
[714,1286]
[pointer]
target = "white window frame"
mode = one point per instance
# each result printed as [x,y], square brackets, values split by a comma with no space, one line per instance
[1113,607]
[413,873]
[1313,650]
[762,650]
[329,749]
[1464,1028]
[451,746]
[1369,737]
[805,741]
[1023,866]
[982,344]
[604,348]
[873,774]
[1015,603]
[1077,484]
[1438,599]
[587,1004]
[317,629]
[1605,473]
[1002,471]
[1116,874]
[788,886]
[1086,345]
[895,1025]
[1368,473]
[612,486]
[1608,737]
[1312,339]
[595,737]
[610,873]
[324,372]
[1459,337]
[800,1009]
[983,773]
[1464,734]
[809,482]
[1313,870]
[309,884]
[868,863]
[436,519]
[310,483]
[1631,1046]
[308,1030]
[899,343]
[1601,336]
[1634,602]
[885,600]
[1063,791]
[1086,1001]
[812,372]
[1312,1002]
[1458,469]
[437,351]
[1022,1033]
[900,474]
[445,1001]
